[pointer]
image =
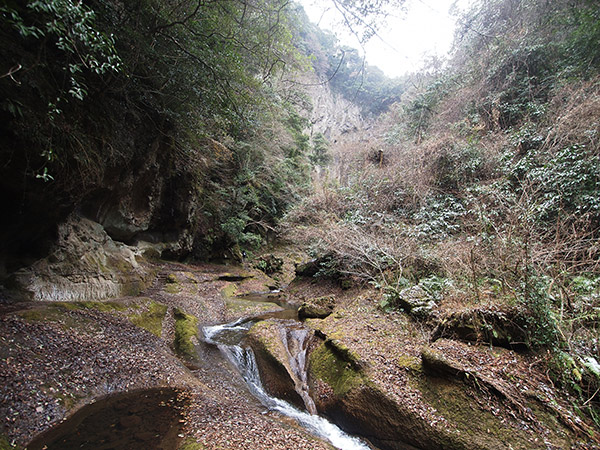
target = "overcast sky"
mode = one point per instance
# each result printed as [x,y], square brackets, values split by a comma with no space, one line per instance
[426,28]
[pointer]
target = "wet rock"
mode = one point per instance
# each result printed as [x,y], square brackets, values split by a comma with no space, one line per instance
[317,308]
[278,347]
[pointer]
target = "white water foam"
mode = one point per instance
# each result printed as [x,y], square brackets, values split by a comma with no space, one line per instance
[244,360]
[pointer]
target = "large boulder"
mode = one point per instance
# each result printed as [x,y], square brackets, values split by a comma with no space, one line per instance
[317,308]
[506,327]
[415,301]
[378,376]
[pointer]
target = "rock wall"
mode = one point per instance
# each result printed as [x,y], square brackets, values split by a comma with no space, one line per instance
[332,114]
[84,264]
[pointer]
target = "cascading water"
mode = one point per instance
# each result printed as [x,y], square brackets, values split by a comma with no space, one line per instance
[295,340]
[227,338]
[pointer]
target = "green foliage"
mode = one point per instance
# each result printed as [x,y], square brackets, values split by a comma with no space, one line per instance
[71,27]
[95,91]
[456,168]
[438,218]
[54,51]
[541,324]
[582,44]
[567,182]
[585,284]
[348,74]
[420,109]
[581,377]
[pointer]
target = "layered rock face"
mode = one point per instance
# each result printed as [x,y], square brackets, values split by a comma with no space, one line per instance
[84,264]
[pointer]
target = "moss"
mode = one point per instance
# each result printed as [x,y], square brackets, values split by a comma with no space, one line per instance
[186,328]
[151,319]
[412,363]
[229,291]
[191,444]
[173,288]
[6,445]
[337,372]
[464,414]
[41,315]
[172,278]
[266,332]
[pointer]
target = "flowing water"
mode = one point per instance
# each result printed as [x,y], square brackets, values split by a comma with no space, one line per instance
[228,338]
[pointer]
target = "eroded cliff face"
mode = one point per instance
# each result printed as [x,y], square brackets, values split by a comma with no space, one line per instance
[332,114]
[75,244]
[84,264]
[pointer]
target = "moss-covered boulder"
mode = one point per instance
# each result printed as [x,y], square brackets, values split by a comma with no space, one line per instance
[343,390]
[317,308]
[506,327]
[186,332]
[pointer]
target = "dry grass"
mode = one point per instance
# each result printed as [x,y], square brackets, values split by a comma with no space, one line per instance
[575,116]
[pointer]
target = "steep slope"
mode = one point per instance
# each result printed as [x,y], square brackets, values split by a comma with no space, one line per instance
[474,206]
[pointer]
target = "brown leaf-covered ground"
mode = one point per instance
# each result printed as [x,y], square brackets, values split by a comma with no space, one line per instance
[56,358]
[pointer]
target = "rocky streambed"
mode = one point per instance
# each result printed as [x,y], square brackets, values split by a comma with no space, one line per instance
[377,375]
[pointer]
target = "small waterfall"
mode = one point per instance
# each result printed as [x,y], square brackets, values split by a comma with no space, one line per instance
[296,339]
[227,338]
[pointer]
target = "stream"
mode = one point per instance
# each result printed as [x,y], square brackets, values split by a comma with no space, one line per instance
[228,338]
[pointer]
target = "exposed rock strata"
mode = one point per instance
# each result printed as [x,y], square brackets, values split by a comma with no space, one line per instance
[84,264]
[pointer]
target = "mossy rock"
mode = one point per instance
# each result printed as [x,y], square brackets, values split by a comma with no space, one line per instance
[186,331]
[344,392]
[105,306]
[171,279]
[317,308]
[191,444]
[173,285]
[333,367]
[6,445]
[503,328]
[229,291]
[57,313]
